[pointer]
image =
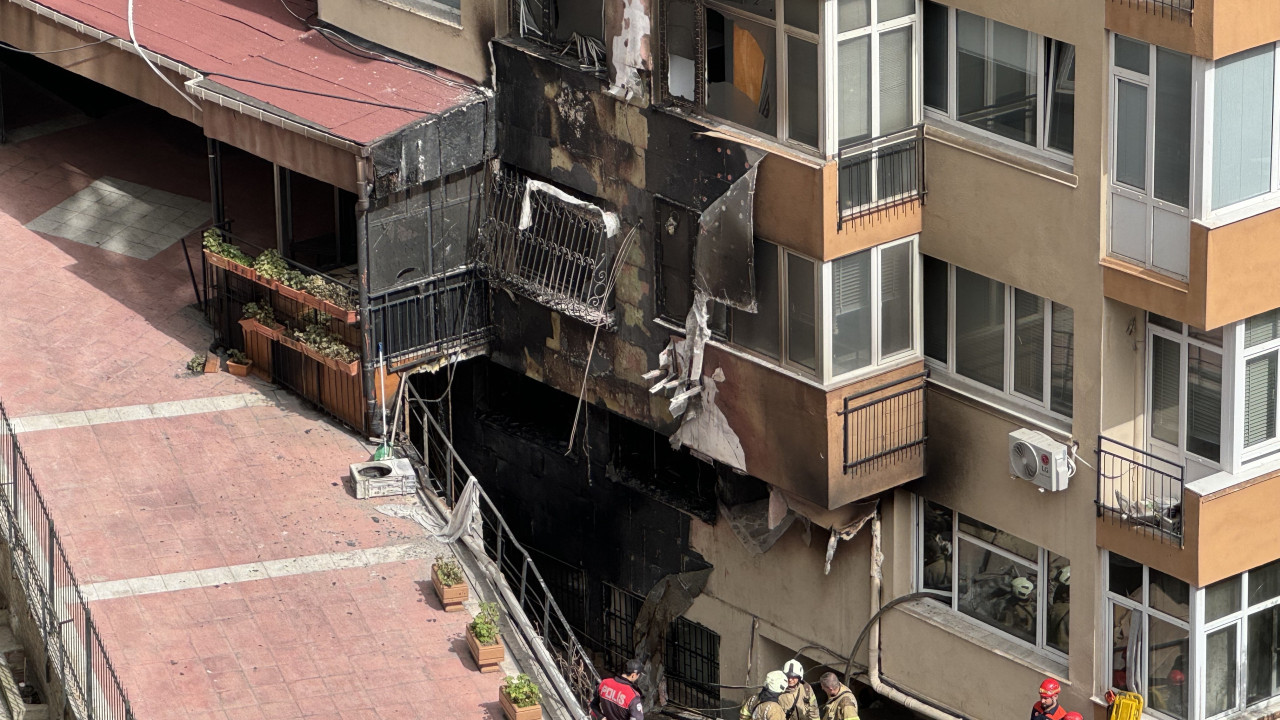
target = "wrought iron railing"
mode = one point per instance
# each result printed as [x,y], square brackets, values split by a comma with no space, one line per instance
[884,424]
[881,174]
[447,476]
[1141,490]
[1182,10]
[431,317]
[72,643]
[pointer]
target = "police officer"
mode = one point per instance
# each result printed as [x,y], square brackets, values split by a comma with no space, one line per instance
[767,704]
[798,700]
[618,698]
[1048,707]
[841,704]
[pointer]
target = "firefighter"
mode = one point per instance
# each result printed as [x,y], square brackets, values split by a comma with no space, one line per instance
[1048,707]
[798,700]
[618,698]
[1018,615]
[766,705]
[841,704]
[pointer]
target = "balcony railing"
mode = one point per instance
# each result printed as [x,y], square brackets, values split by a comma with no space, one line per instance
[1141,490]
[887,428]
[434,316]
[1180,10]
[881,174]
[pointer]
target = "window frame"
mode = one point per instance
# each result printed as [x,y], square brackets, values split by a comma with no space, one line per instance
[1239,619]
[1227,433]
[1044,95]
[1271,347]
[1264,201]
[874,29]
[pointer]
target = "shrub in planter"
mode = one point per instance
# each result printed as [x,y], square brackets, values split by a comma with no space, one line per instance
[521,698]
[451,588]
[262,316]
[328,346]
[238,363]
[214,241]
[483,639]
[269,264]
[195,365]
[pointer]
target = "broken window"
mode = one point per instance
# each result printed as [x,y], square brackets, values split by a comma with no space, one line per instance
[574,27]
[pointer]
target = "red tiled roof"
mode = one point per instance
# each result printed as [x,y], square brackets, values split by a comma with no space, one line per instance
[260,42]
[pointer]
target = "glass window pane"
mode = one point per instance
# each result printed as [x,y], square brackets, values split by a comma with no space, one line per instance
[741,65]
[935,308]
[855,89]
[1060,134]
[1062,360]
[851,313]
[803,14]
[995,78]
[1264,583]
[1222,598]
[1242,104]
[1169,595]
[895,81]
[936,59]
[680,50]
[1133,55]
[1125,625]
[1028,344]
[1166,415]
[1259,399]
[936,563]
[1262,656]
[999,538]
[1057,630]
[801,318]
[895,299]
[1164,322]
[802,90]
[1262,328]
[853,14]
[761,330]
[997,590]
[1204,402]
[1167,668]
[1173,127]
[893,9]
[980,328]
[1220,671]
[1213,337]
[1124,577]
[1131,135]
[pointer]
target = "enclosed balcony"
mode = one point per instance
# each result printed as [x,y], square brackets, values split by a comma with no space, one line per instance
[1209,29]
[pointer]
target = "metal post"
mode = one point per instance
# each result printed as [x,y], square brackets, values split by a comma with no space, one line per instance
[88,663]
[214,150]
[4,136]
[51,617]
[366,324]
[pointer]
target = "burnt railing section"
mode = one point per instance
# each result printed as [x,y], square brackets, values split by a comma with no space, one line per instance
[885,424]
[72,642]
[1181,10]
[432,317]
[881,175]
[1141,490]
[447,477]
[547,248]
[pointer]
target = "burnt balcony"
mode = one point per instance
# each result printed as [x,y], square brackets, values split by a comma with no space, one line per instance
[1210,29]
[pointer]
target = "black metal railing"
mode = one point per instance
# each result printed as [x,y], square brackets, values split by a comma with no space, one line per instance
[884,424]
[71,639]
[447,477]
[1182,10]
[431,317]
[1141,490]
[881,174]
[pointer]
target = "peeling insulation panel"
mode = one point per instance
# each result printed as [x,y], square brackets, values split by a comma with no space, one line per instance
[724,257]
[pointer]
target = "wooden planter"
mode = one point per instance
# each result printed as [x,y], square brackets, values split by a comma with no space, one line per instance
[253,326]
[211,362]
[286,291]
[451,597]
[217,260]
[243,271]
[533,712]
[292,344]
[239,369]
[487,657]
[348,316]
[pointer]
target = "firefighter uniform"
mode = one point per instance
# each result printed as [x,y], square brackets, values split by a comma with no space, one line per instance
[842,706]
[765,706]
[799,702]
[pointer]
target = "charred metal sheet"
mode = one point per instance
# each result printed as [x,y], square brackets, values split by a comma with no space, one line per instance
[750,524]
[724,258]
[670,598]
[627,23]
[434,147]
[423,232]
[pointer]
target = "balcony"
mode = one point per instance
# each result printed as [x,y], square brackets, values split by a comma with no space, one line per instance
[869,195]
[1209,29]
[1200,531]
[1231,275]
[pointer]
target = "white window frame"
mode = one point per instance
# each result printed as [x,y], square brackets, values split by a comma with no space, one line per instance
[831,60]
[1266,447]
[1040,150]
[1248,206]
[1010,313]
[1239,619]
[1041,566]
[1227,432]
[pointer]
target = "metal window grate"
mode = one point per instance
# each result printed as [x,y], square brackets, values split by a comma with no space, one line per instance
[887,428]
[1180,10]
[880,175]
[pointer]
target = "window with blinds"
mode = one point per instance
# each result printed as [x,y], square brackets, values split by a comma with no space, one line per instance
[1262,351]
[1185,387]
[874,69]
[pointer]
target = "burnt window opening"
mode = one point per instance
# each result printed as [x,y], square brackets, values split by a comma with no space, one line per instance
[677,229]
[644,460]
[572,27]
[525,408]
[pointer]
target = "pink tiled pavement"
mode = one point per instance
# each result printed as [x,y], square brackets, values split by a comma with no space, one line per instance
[84,329]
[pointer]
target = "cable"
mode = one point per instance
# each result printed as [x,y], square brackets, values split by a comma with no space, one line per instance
[866,629]
[317,93]
[52,52]
[141,53]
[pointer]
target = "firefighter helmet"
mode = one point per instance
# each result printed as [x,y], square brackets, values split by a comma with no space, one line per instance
[1022,588]
[1073,716]
[793,668]
[1050,688]
[775,681]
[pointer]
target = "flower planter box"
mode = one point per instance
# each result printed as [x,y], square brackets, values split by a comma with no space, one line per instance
[253,326]
[217,260]
[292,344]
[347,316]
[311,301]
[288,292]
[239,369]
[243,271]
[451,597]
[533,712]
[487,657]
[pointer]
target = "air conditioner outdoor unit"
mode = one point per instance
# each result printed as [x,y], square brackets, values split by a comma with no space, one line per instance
[1038,458]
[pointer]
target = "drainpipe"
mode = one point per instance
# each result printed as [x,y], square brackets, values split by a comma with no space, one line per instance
[873,652]
[367,349]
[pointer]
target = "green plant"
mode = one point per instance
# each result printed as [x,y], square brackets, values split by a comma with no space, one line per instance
[448,570]
[325,290]
[195,365]
[521,690]
[216,243]
[318,337]
[292,278]
[237,357]
[269,264]
[485,625]
[262,313]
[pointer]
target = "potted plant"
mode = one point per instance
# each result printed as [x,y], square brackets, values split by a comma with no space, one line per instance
[261,319]
[520,698]
[334,299]
[270,266]
[327,347]
[238,363]
[195,365]
[451,588]
[483,639]
[221,253]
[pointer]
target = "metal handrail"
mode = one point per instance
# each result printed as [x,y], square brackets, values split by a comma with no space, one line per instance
[1180,9]
[880,174]
[306,270]
[904,430]
[1152,496]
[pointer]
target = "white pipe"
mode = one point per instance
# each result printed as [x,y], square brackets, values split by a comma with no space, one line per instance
[873,650]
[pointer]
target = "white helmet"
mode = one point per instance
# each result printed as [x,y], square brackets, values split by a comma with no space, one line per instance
[793,668]
[775,681]
[1022,588]
[1064,575]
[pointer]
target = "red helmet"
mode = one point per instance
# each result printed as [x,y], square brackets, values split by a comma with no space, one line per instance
[1177,678]
[1050,688]
[1073,716]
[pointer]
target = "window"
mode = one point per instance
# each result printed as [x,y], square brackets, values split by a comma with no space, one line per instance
[574,24]
[1184,388]
[998,336]
[999,78]
[868,296]
[1149,615]
[1261,350]
[874,68]
[1242,647]
[1151,155]
[996,578]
